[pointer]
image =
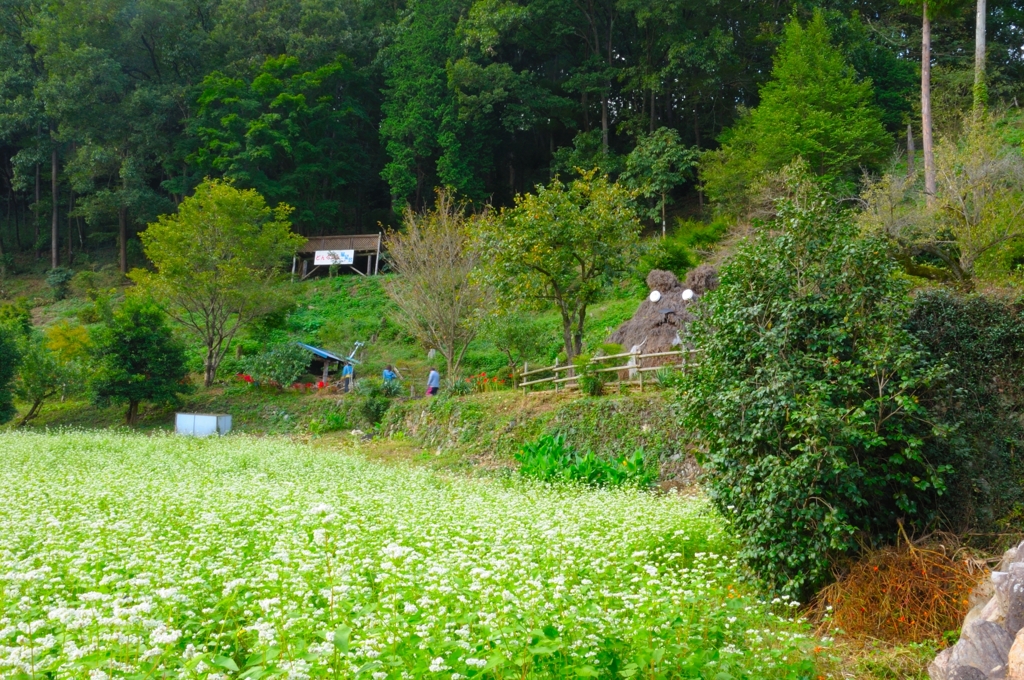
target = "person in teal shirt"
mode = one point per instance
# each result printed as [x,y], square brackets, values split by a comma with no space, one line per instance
[347,376]
[389,374]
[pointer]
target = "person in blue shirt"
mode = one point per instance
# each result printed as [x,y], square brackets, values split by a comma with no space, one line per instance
[433,382]
[389,374]
[347,376]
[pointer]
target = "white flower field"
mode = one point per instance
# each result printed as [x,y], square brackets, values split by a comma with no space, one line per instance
[131,556]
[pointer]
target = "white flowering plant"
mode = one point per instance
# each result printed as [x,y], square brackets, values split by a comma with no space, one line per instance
[130,556]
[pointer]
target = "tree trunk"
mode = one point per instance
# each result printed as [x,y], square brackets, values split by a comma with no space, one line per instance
[122,238]
[663,214]
[926,107]
[39,195]
[581,317]
[570,353]
[3,260]
[604,124]
[55,212]
[132,416]
[71,233]
[209,369]
[32,413]
[696,137]
[911,152]
[980,87]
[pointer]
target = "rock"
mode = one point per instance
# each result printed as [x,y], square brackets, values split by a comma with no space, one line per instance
[983,645]
[982,593]
[939,668]
[989,610]
[993,611]
[967,673]
[1015,663]
[1010,593]
[1010,556]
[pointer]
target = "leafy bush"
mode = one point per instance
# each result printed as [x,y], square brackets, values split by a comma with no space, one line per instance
[391,388]
[682,250]
[591,381]
[458,388]
[42,375]
[375,399]
[329,422]
[10,357]
[982,340]
[669,377]
[280,364]
[59,281]
[17,315]
[806,399]
[550,459]
[138,359]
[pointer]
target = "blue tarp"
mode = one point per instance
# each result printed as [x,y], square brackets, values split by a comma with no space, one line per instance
[324,354]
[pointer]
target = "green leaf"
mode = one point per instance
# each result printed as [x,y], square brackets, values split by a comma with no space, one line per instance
[224,662]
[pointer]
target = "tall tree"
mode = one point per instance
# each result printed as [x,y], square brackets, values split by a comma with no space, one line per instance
[438,300]
[10,357]
[980,89]
[814,107]
[215,262]
[657,165]
[554,248]
[138,359]
[929,10]
[291,134]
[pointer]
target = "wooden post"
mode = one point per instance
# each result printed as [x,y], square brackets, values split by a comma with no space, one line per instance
[376,260]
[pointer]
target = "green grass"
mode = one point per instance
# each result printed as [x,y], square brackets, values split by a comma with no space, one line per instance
[132,556]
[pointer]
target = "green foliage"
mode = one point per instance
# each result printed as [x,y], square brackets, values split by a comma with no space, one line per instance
[982,340]
[458,388]
[806,400]
[657,165]
[276,132]
[516,334]
[280,365]
[814,107]
[427,140]
[332,421]
[556,247]
[683,248]
[59,281]
[10,357]
[551,460]
[17,315]
[42,374]
[590,380]
[375,399]
[137,359]
[216,261]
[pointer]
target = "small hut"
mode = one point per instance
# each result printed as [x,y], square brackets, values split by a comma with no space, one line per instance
[656,325]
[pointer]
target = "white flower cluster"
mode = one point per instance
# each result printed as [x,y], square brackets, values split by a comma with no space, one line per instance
[231,557]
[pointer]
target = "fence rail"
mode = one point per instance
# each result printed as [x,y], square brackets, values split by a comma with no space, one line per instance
[634,368]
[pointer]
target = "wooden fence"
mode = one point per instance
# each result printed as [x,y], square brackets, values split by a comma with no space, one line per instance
[633,368]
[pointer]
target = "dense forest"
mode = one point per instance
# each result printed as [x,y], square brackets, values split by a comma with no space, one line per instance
[111,111]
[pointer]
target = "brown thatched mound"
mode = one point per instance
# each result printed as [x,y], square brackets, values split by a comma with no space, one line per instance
[656,326]
[700,280]
[662,280]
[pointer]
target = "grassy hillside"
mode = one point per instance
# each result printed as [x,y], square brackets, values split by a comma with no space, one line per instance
[333,313]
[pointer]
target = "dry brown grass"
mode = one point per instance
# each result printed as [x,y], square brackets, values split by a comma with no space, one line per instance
[904,594]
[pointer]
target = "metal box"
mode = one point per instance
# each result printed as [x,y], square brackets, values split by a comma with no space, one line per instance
[202,424]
